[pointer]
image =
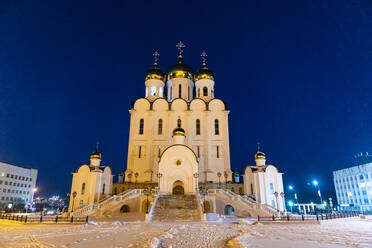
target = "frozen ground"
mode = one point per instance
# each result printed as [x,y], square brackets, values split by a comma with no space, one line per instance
[352,232]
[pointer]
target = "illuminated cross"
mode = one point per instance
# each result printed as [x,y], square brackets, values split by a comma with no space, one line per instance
[204,56]
[97,145]
[179,46]
[258,146]
[156,56]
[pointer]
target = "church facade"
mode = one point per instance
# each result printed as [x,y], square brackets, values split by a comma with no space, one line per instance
[179,99]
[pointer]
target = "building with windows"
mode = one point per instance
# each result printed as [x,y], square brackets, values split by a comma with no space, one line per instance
[354,187]
[17,184]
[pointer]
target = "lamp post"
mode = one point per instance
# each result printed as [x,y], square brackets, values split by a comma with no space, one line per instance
[130,180]
[225,175]
[290,187]
[316,184]
[290,203]
[136,176]
[204,192]
[147,192]
[34,190]
[196,175]
[159,175]
[282,195]
[276,194]
[73,200]
[219,179]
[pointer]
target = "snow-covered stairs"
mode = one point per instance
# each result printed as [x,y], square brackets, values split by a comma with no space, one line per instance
[177,208]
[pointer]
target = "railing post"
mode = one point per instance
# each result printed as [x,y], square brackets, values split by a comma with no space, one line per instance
[26,219]
[57,219]
[288,217]
[72,219]
[21,218]
[41,218]
[317,217]
[258,218]
[86,221]
[273,217]
[303,218]
[17,218]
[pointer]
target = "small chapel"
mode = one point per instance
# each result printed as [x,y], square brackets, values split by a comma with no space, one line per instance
[179,155]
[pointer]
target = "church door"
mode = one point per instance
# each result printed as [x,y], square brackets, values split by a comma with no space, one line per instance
[178,188]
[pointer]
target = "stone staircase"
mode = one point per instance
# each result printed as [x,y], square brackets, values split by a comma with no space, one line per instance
[176,208]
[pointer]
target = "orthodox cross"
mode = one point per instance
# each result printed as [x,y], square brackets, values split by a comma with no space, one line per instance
[258,146]
[97,145]
[204,56]
[179,46]
[156,56]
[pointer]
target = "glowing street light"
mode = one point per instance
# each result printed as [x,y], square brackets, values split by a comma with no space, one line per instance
[290,203]
[316,184]
[290,187]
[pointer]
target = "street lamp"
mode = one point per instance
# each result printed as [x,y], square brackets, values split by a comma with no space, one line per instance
[136,176]
[33,190]
[73,200]
[196,175]
[159,175]
[316,184]
[204,192]
[283,200]
[219,179]
[225,175]
[147,192]
[290,187]
[290,203]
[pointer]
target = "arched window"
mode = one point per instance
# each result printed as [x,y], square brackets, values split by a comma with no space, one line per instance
[198,148]
[198,92]
[271,188]
[139,151]
[218,152]
[103,189]
[216,127]
[179,123]
[170,92]
[141,126]
[205,91]
[160,126]
[153,90]
[83,188]
[160,92]
[179,90]
[188,92]
[147,91]
[197,127]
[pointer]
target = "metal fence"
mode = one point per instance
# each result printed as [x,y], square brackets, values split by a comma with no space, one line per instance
[317,217]
[43,219]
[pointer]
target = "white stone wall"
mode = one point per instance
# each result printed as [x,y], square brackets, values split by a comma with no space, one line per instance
[150,141]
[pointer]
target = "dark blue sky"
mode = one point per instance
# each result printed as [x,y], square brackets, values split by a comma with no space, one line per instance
[296,76]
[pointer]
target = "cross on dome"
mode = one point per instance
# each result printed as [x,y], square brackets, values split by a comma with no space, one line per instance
[204,56]
[179,46]
[156,55]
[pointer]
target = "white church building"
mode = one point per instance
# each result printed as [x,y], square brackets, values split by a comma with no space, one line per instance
[179,152]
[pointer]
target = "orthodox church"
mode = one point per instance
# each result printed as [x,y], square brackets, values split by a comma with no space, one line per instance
[179,145]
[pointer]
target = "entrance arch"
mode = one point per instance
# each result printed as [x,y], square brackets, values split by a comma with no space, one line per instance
[229,210]
[178,188]
[124,209]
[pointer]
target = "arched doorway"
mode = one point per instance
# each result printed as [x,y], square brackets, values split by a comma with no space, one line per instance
[207,207]
[124,209]
[178,188]
[229,210]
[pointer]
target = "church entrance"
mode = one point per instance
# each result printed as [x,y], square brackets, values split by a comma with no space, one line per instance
[178,188]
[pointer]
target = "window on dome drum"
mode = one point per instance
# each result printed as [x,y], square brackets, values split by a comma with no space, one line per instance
[198,92]
[179,123]
[218,152]
[147,91]
[139,151]
[83,188]
[159,152]
[205,91]
[153,90]
[160,92]
[179,90]
[197,127]
[103,189]
[141,126]
[216,127]
[188,93]
[198,148]
[160,127]
[170,92]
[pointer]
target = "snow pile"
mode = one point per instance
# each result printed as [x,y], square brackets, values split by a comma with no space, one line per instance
[94,223]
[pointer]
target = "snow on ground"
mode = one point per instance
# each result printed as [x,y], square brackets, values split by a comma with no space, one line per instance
[352,232]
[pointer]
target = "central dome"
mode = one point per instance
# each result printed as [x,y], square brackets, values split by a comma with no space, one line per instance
[180,70]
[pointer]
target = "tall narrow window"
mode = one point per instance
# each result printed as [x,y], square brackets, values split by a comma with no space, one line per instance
[197,127]
[159,152]
[170,92]
[179,90]
[216,127]
[198,148]
[198,92]
[103,189]
[160,126]
[139,151]
[205,91]
[160,92]
[179,123]
[153,90]
[147,91]
[188,93]
[141,126]
[218,152]
[83,188]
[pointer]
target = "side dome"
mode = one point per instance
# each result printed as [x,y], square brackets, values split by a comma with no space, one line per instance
[180,70]
[178,132]
[155,73]
[204,73]
[259,155]
[96,154]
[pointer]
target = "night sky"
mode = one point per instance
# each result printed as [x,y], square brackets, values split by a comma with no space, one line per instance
[296,76]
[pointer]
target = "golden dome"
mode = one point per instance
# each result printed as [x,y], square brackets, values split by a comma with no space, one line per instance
[180,70]
[179,132]
[259,155]
[155,73]
[204,73]
[96,154]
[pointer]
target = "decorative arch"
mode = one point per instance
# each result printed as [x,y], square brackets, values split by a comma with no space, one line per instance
[178,188]
[216,104]
[125,209]
[198,104]
[229,210]
[142,104]
[179,104]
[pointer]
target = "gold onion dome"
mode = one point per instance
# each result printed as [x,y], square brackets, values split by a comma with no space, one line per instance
[204,73]
[180,70]
[179,132]
[259,155]
[155,73]
[96,154]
